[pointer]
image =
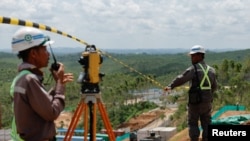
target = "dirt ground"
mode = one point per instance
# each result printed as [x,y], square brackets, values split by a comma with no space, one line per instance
[63,121]
[144,119]
[183,135]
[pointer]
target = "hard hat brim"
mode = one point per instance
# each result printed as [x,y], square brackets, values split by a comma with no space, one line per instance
[194,52]
[49,43]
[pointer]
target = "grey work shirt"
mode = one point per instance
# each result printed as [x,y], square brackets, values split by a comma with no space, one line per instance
[189,75]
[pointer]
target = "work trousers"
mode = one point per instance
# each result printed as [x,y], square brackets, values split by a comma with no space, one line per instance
[199,112]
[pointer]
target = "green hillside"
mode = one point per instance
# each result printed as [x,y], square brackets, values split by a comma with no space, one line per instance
[125,73]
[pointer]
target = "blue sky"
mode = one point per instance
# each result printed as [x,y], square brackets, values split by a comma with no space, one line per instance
[136,24]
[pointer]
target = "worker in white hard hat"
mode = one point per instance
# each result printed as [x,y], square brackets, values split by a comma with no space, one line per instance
[197,54]
[202,85]
[35,108]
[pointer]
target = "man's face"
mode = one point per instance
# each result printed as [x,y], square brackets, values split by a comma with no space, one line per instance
[195,58]
[41,56]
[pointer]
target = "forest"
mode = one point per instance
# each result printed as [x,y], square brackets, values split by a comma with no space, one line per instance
[129,73]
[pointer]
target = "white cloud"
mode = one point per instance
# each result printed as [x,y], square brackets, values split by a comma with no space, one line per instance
[137,23]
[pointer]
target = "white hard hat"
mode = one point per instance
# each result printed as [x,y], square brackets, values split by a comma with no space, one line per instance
[28,37]
[197,49]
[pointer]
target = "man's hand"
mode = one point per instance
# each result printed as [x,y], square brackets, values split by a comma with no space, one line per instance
[60,76]
[167,88]
[68,77]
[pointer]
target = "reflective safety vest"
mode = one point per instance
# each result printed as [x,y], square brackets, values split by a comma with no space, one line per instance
[13,134]
[205,77]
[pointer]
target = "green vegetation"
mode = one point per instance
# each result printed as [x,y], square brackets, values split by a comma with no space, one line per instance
[135,73]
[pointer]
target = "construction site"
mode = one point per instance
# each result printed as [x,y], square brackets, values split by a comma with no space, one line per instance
[153,125]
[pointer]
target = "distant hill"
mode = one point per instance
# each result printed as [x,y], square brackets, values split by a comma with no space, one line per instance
[70,50]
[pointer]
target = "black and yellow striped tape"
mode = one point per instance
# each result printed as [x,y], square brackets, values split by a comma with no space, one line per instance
[16,21]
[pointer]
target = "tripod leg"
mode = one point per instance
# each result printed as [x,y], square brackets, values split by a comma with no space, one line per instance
[86,124]
[74,121]
[106,121]
[94,122]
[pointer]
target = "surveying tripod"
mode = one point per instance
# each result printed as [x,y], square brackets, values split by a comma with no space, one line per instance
[91,100]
